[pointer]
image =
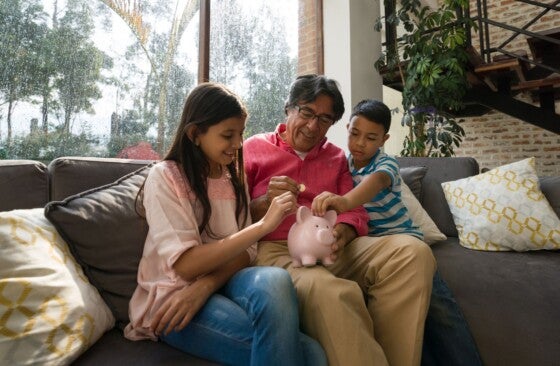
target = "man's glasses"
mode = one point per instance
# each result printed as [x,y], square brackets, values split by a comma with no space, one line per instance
[307,113]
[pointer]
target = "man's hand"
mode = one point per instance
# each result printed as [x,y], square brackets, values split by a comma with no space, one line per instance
[276,187]
[279,185]
[343,234]
[179,309]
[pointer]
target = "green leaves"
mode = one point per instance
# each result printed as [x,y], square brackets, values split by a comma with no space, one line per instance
[434,51]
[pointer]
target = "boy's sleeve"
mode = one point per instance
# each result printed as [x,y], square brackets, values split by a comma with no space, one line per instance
[358,217]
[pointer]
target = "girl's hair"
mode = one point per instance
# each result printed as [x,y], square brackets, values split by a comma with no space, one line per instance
[208,104]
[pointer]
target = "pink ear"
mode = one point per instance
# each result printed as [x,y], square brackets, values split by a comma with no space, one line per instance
[303,213]
[330,216]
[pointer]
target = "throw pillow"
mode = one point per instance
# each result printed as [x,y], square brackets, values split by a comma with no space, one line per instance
[413,176]
[420,217]
[106,235]
[49,312]
[503,209]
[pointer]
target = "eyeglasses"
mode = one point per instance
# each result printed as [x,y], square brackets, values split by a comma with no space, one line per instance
[307,113]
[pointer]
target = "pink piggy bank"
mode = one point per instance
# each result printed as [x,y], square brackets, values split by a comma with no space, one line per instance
[310,238]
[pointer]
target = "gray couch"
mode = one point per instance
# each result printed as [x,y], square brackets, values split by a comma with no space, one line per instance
[510,300]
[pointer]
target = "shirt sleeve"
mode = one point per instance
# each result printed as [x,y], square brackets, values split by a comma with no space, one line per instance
[357,217]
[389,166]
[172,223]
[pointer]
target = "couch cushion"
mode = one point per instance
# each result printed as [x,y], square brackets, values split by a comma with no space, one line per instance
[420,217]
[510,301]
[49,312]
[550,187]
[114,349]
[503,209]
[23,184]
[440,170]
[413,176]
[106,235]
[72,175]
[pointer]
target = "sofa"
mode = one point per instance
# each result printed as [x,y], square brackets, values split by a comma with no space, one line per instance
[509,299]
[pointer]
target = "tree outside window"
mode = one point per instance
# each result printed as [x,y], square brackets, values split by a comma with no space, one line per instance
[108,78]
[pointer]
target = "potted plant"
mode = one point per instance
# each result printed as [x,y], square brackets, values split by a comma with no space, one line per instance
[431,61]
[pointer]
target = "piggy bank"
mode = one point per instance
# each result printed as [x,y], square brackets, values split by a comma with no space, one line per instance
[310,238]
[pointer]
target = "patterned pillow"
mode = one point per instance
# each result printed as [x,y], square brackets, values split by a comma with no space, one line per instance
[503,209]
[49,312]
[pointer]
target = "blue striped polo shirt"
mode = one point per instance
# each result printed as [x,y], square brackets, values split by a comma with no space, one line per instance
[387,212]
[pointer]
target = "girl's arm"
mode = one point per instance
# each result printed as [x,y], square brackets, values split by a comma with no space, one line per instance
[368,188]
[202,259]
[178,310]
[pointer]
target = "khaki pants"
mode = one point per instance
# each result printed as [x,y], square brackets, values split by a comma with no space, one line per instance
[392,273]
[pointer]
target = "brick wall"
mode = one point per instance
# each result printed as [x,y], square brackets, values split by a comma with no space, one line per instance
[308,38]
[495,138]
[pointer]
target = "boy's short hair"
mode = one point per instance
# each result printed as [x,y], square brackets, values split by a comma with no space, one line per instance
[375,111]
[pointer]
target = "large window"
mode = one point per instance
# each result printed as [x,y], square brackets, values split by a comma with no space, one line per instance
[109,77]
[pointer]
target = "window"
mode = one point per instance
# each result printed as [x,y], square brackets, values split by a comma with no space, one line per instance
[108,77]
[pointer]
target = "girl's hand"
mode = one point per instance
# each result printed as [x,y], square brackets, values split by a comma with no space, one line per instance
[327,200]
[280,207]
[179,309]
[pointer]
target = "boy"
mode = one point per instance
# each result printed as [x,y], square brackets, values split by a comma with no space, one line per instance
[377,186]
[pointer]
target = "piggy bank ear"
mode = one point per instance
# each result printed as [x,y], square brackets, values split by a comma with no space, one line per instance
[303,213]
[330,216]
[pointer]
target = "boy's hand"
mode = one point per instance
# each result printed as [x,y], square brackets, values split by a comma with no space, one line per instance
[343,234]
[327,200]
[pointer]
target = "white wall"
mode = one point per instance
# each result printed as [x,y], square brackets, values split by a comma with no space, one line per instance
[351,46]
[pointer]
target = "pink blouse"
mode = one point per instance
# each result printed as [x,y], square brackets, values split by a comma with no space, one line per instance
[173,216]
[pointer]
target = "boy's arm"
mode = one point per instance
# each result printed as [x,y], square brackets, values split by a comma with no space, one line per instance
[368,188]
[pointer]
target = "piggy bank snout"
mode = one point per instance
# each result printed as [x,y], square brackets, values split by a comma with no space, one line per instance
[325,236]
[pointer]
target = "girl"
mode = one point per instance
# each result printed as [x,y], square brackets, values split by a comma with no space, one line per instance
[195,290]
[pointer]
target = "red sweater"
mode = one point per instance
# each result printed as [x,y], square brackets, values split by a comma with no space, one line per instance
[324,168]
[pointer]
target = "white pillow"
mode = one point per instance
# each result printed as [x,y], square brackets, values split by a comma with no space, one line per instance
[503,209]
[420,217]
[49,312]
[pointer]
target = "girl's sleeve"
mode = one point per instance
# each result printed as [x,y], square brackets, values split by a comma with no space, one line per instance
[171,219]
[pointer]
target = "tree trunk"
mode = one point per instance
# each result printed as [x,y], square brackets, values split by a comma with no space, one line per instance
[9,121]
[45,114]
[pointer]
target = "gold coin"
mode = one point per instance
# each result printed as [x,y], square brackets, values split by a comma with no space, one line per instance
[301,187]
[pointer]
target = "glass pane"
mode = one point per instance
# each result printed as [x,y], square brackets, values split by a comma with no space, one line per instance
[94,78]
[253,50]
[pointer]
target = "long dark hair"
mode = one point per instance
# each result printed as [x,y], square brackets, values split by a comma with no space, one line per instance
[208,104]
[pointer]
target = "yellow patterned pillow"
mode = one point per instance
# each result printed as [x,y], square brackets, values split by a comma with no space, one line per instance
[503,209]
[49,312]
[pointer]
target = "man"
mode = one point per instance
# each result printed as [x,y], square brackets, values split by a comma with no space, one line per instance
[393,276]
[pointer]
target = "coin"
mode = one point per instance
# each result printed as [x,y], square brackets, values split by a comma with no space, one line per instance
[301,187]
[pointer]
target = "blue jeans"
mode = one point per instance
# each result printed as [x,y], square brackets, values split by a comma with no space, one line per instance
[252,320]
[447,338]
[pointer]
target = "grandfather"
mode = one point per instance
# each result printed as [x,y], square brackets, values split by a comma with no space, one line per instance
[369,307]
